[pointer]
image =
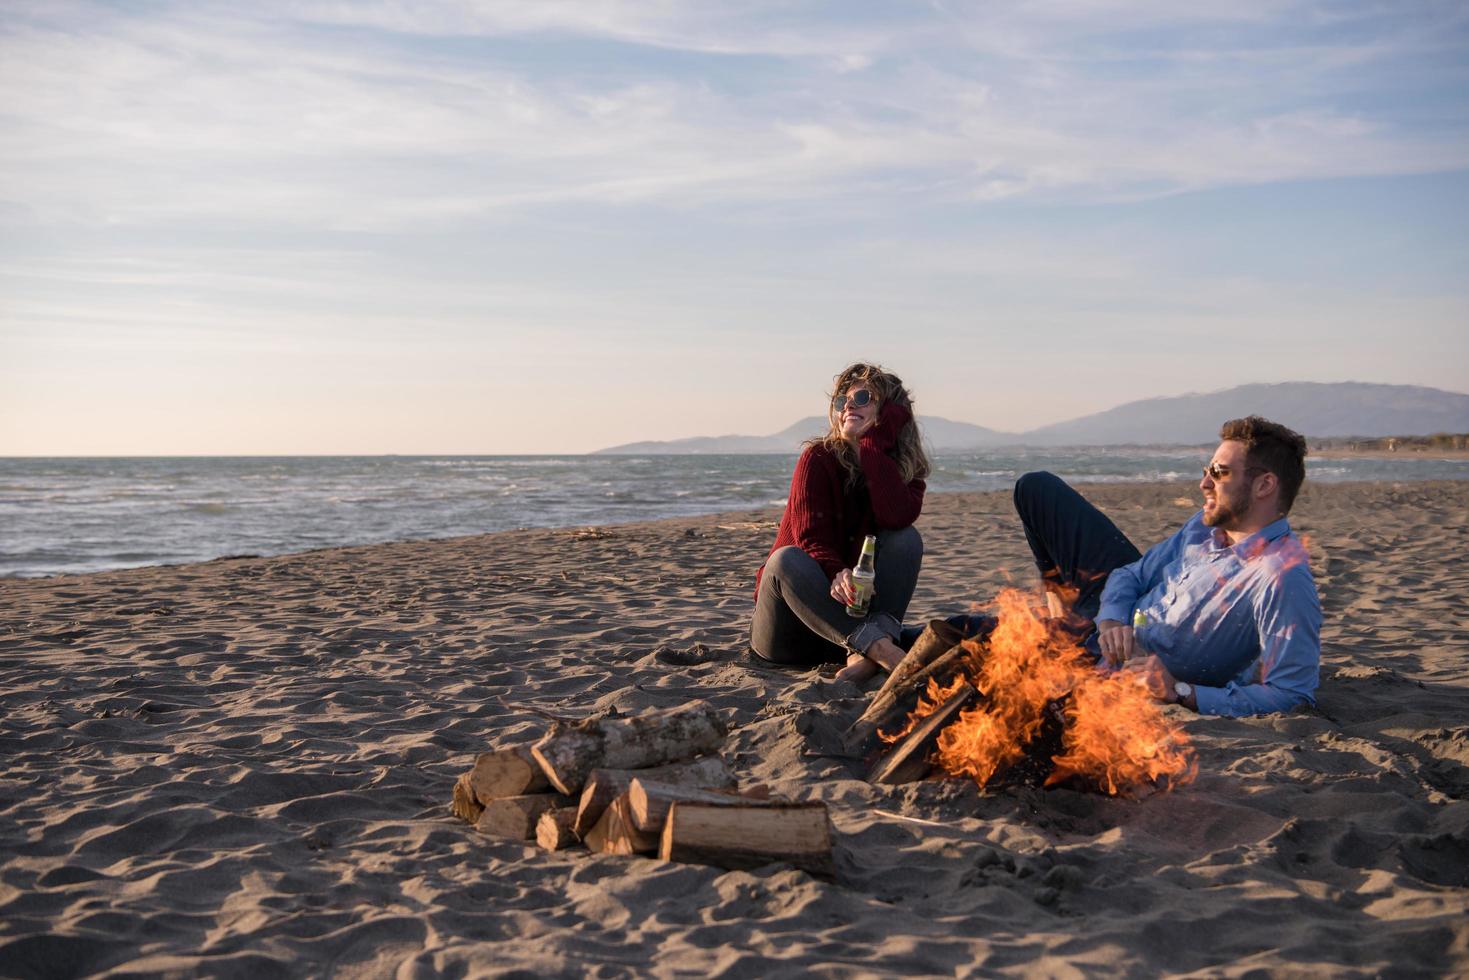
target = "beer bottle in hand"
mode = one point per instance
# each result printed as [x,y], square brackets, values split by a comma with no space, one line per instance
[862,578]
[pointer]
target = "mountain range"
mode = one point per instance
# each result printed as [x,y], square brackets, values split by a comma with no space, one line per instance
[1320,410]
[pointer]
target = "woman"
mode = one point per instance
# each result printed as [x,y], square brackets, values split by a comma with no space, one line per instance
[865,476]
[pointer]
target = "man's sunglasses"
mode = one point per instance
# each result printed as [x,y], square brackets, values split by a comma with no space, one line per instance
[1218,471]
[856,399]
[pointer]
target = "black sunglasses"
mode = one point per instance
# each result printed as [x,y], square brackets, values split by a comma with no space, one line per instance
[857,399]
[1218,471]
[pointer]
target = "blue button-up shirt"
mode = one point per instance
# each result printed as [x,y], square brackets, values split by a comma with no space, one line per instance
[1242,623]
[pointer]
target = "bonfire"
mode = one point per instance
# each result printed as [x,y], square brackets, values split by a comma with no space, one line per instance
[1026,705]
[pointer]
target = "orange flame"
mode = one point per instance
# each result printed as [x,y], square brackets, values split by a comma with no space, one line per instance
[1116,738]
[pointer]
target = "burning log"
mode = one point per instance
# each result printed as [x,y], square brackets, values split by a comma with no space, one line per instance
[880,714]
[604,785]
[464,805]
[506,772]
[937,638]
[748,836]
[616,833]
[649,800]
[514,817]
[908,760]
[936,641]
[571,750]
[553,829]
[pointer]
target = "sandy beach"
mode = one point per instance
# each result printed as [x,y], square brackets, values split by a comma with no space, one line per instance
[243,768]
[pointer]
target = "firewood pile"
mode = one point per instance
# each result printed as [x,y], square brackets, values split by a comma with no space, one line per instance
[647,784]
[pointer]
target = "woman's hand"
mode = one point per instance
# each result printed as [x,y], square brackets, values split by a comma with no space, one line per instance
[892,418]
[841,587]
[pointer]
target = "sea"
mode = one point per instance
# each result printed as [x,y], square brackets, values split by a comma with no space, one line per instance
[70,515]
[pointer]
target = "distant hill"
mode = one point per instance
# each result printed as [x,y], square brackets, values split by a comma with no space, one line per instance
[1323,410]
[1348,408]
[942,435]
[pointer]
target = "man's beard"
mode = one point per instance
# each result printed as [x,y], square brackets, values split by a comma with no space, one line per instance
[1227,509]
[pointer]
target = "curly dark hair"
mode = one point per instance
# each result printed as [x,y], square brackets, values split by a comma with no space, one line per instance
[1272,447]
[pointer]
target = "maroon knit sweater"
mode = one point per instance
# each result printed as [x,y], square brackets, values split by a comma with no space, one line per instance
[827,520]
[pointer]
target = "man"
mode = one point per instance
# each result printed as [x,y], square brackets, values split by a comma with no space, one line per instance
[1223,616]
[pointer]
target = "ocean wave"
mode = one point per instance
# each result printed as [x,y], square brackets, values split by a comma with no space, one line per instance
[91,515]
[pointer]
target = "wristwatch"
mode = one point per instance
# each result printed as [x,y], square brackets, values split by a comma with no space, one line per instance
[1183,689]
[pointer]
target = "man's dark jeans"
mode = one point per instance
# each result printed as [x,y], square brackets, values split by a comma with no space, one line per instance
[1075,545]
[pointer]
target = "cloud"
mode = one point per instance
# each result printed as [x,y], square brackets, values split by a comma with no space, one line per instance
[384,116]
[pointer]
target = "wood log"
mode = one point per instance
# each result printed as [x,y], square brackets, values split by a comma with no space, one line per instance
[749,836]
[465,806]
[571,750]
[615,832]
[604,785]
[900,700]
[908,759]
[650,800]
[506,772]
[937,640]
[553,829]
[514,817]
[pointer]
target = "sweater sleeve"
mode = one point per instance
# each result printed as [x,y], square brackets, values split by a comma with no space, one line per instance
[813,511]
[895,504]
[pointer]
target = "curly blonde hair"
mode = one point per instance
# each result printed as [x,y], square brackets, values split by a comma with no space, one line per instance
[885,387]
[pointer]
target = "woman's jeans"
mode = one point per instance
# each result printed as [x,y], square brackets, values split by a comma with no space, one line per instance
[798,623]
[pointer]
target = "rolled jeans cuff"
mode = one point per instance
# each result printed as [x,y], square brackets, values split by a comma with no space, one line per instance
[872,629]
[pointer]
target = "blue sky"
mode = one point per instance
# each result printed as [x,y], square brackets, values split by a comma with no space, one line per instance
[554,226]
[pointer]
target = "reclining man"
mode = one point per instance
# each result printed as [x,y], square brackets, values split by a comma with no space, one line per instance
[1223,616]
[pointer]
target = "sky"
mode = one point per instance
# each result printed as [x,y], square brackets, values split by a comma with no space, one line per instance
[462,226]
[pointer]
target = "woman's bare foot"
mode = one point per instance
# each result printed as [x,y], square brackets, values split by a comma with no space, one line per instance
[885,653]
[858,669]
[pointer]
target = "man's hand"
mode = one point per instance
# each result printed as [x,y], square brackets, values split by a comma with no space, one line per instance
[1151,673]
[1117,642]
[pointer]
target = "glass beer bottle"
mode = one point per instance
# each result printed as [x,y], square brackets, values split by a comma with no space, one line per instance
[862,578]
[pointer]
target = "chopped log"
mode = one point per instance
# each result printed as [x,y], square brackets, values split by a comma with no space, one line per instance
[604,785]
[877,718]
[465,806]
[506,772]
[908,759]
[553,830]
[938,641]
[571,750]
[615,832]
[650,800]
[749,836]
[514,817]
[947,664]
[937,638]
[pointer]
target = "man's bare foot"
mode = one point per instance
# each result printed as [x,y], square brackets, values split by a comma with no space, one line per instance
[858,669]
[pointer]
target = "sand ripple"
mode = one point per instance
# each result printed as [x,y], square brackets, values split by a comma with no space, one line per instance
[241,768]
